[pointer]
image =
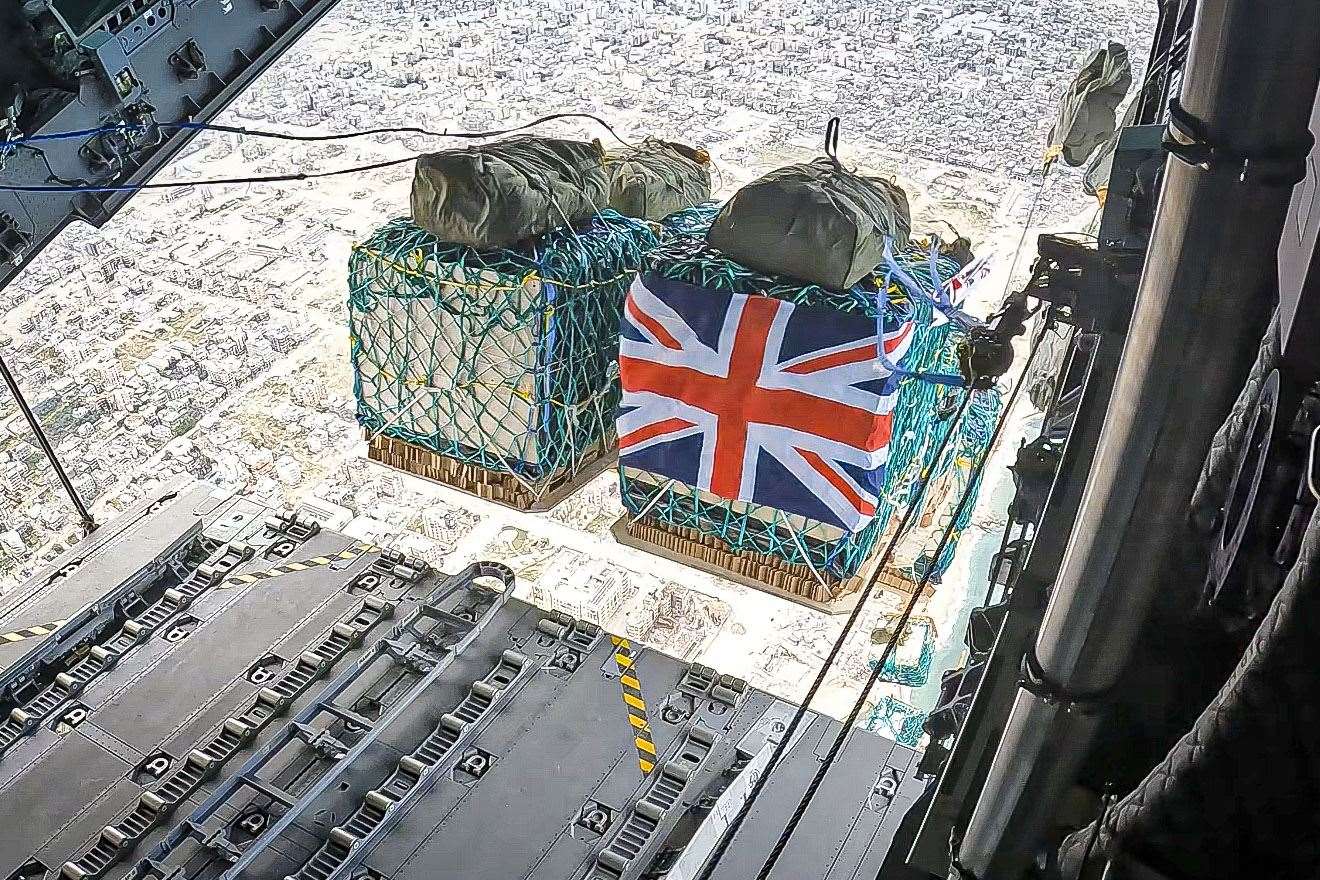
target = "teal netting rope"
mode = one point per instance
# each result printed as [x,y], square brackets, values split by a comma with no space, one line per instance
[919,414]
[503,358]
[694,221]
[897,720]
[902,667]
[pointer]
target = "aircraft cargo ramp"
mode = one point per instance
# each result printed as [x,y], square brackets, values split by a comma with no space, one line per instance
[258,697]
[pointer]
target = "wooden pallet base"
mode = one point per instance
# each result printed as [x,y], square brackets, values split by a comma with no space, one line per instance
[769,573]
[491,485]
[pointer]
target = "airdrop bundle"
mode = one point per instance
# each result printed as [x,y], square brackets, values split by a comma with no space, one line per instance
[773,376]
[485,327]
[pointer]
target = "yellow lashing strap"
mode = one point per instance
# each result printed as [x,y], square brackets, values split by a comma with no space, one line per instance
[302,565]
[635,703]
[32,632]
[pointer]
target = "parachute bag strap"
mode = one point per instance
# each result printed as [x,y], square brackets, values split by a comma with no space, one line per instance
[882,308]
[832,140]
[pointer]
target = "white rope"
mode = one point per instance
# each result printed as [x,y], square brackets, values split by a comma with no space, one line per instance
[655,499]
[403,410]
[797,539]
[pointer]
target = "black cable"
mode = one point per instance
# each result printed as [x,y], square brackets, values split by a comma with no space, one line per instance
[51,176]
[367,132]
[787,737]
[178,184]
[846,730]
[35,424]
[83,187]
[292,136]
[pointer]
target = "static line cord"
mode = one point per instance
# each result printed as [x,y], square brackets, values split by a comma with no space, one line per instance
[221,181]
[846,730]
[84,515]
[290,136]
[67,187]
[1022,239]
[787,737]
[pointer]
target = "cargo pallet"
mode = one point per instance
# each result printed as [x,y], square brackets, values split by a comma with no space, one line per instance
[758,570]
[490,485]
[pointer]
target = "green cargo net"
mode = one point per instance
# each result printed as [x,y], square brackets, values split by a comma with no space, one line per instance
[909,663]
[921,417]
[506,359]
[694,221]
[897,720]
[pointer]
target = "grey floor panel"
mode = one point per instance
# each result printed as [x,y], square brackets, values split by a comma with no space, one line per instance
[52,798]
[553,745]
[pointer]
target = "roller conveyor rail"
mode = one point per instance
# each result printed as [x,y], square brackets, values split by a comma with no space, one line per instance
[134,631]
[423,646]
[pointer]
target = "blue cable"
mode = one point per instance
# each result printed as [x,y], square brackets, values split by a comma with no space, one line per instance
[222,181]
[882,308]
[940,302]
[81,133]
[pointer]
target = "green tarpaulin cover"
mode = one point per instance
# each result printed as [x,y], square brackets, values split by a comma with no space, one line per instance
[656,178]
[498,194]
[1087,109]
[816,222]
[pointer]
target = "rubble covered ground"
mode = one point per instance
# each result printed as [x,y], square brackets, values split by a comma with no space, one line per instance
[203,332]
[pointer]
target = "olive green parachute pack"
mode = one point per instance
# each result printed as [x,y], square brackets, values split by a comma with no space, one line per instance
[498,194]
[656,178]
[1088,107]
[817,222]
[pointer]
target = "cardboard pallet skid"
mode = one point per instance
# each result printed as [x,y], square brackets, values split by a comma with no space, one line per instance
[761,571]
[502,488]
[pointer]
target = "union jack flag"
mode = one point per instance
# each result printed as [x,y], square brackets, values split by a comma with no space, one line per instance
[756,399]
